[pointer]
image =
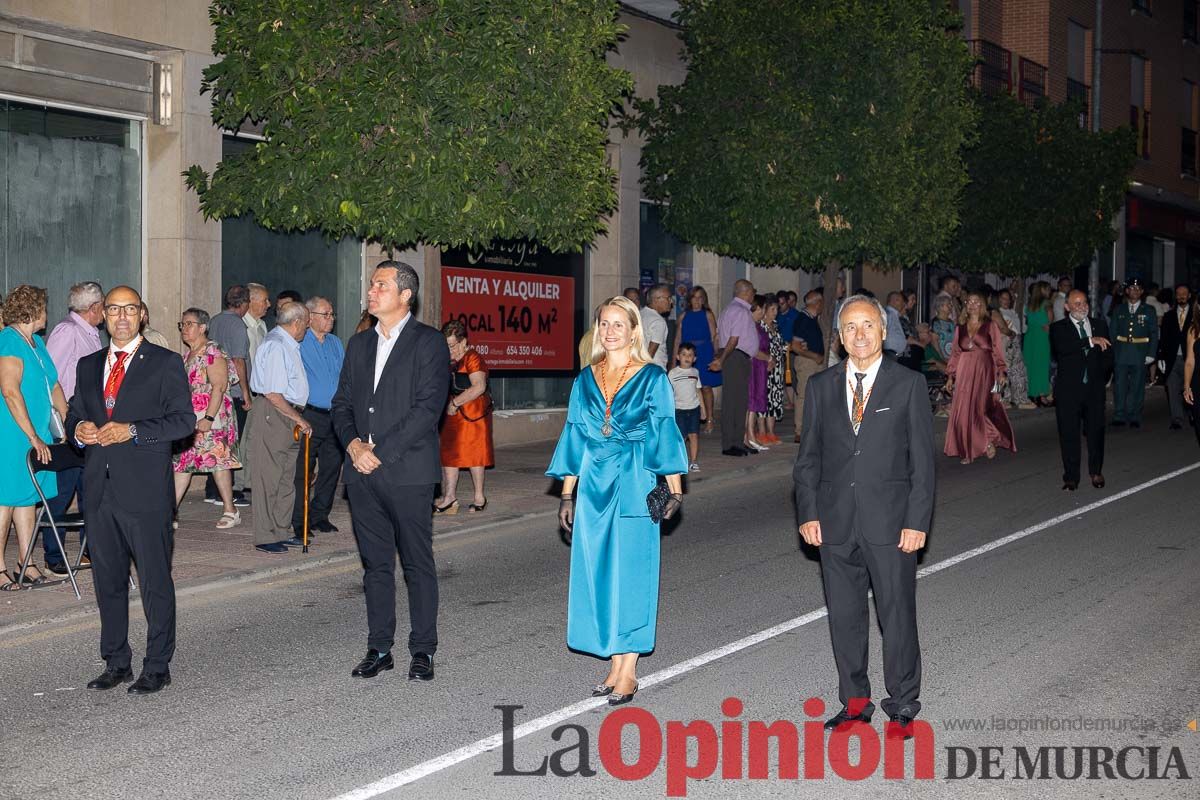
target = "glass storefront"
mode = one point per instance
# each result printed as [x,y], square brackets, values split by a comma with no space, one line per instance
[70,200]
[663,257]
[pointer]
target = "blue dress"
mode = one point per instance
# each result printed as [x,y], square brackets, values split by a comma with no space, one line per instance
[612,604]
[38,377]
[695,330]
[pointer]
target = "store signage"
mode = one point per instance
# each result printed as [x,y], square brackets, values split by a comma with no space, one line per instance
[515,320]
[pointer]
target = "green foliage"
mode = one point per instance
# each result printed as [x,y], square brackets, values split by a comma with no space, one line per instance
[1043,191]
[451,122]
[812,131]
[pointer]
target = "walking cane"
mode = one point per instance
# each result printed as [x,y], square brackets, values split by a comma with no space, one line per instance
[307,438]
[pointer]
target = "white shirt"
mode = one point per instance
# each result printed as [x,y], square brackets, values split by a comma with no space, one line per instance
[686,383]
[384,344]
[868,382]
[256,331]
[1087,327]
[656,331]
[1060,305]
[111,358]
[1181,315]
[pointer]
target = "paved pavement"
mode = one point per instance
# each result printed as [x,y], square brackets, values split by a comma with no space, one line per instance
[1087,614]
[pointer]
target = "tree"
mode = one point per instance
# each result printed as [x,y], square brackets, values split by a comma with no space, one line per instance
[1043,190]
[812,133]
[451,122]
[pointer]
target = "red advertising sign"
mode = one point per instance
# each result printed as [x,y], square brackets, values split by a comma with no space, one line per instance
[515,320]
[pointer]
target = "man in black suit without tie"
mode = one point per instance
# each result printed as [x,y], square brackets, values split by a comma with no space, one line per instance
[1080,345]
[391,393]
[131,403]
[864,489]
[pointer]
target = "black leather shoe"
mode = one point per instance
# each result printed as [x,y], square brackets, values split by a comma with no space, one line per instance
[58,568]
[421,667]
[150,682]
[1118,423]
[602,690]
[325,527]
[844,717]
[296,541]
[110,678]
[1070,486]
[372,664]
[1098,481]
[1176,426]
[734,451]
[619,699]
[899,726]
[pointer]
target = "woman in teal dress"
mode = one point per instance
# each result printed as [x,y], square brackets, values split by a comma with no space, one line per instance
[29,382]
[1035,348]
[619,437]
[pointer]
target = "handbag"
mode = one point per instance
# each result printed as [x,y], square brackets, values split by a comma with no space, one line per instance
[58,429]
[460,382]
[656,501]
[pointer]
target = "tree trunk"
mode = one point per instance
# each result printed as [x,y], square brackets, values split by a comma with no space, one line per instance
[833,268]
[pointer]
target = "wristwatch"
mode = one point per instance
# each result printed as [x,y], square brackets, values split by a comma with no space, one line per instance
[210,418]
[133,431]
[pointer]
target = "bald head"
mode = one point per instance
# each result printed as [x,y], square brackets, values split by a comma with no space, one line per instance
[1077,305]
[743,289]
[123,314]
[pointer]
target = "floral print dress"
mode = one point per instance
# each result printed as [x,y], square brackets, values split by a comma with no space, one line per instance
[214,449]
[775,395]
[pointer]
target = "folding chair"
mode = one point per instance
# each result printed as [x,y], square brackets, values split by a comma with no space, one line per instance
[62,457]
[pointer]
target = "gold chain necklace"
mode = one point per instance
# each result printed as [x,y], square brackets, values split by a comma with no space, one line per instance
[606,429]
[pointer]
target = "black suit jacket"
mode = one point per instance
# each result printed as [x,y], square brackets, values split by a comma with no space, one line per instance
[1171,338]
[156,398]
[878,482]
[1067,348]
[401,415]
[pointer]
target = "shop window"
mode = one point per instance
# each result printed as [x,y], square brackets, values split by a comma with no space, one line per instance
[662,256]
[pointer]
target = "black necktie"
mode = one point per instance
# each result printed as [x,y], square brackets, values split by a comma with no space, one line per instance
[1087,347]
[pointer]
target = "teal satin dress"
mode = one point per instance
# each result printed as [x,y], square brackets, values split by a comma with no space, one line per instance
[612,604]
[37,380]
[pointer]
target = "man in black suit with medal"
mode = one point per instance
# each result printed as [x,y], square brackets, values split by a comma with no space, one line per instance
[1080,345]
[391,393]
[864,491]
[131,403]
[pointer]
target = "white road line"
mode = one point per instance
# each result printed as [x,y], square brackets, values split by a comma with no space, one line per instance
[541,723]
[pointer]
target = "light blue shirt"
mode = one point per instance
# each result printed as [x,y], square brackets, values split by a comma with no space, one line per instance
[322,366]
[894,340]
[278,368]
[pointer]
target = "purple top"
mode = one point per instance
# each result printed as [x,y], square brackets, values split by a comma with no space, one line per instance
[71,340]
[735,320]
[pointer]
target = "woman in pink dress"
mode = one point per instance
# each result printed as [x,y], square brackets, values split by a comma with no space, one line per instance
[978,423]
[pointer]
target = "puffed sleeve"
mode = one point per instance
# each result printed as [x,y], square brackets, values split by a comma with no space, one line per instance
[572,443]
[664,452]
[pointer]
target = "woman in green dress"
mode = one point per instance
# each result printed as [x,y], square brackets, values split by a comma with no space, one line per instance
[29,382]
[1036,346]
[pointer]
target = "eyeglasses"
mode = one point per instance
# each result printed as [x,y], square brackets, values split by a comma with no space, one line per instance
[130,310]
[329,314]
[187,324]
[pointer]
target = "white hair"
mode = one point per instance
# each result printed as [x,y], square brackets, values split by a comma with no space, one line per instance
[861,298]
[290,312]
[84,295]
[313,302]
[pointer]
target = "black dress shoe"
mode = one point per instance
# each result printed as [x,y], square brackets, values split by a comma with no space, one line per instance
[325,527]
[59,568]
[1070,486]
[372,664]
[1176,426]
[844,717]
[150,682]
[1098,481]
[111,677]
[734,451]
[602,690]
[1118,423]
[619,699]
[900,726]
[421,667]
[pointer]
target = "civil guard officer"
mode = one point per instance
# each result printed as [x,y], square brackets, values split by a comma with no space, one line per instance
[1135,332]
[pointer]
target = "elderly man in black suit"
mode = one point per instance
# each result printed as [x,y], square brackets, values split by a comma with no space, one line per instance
[390,397]
[131,403]
[1080,345]
[1172,354]
[864,490]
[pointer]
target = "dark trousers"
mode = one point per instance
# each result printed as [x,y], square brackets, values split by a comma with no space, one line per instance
[1129,392]
[735,395]
[849,570]
[1072,411]
[325,450]
[1175,391]
[70,483]
[115,537]
[210,485]
[390,519]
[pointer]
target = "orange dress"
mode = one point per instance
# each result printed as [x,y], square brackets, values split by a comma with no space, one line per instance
[468,442]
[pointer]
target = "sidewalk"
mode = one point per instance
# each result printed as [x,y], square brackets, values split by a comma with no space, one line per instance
[516,489]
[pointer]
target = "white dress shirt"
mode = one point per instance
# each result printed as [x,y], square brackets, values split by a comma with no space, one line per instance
[868,382]
[1181,316]
[384,344]
[111,358]
[256,332]
[1087,327]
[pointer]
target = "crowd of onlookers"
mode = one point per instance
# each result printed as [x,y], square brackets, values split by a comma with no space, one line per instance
[262,398]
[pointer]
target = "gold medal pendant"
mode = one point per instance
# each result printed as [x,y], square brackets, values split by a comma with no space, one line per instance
[606,429]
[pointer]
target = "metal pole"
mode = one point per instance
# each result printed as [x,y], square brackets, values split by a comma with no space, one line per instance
[296,434]
[1097,58]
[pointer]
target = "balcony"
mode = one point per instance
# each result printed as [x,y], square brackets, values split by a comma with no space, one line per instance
[1081,94]
[993,67]
[1139,120]
[1187,153]
[1031,81]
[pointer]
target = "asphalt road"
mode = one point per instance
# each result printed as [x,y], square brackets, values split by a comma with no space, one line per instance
[1089,620]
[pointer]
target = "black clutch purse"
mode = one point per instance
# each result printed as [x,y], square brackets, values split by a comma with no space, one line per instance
[656,501]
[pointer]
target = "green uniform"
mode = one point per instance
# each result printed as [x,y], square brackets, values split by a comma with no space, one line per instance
[1135,338]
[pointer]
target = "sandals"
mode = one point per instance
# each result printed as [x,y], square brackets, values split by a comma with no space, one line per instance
[11,585]
[229,519]
[450,509]
[28,581]
[477,507]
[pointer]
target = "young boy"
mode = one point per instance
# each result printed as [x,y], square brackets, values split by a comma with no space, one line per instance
[685,380]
